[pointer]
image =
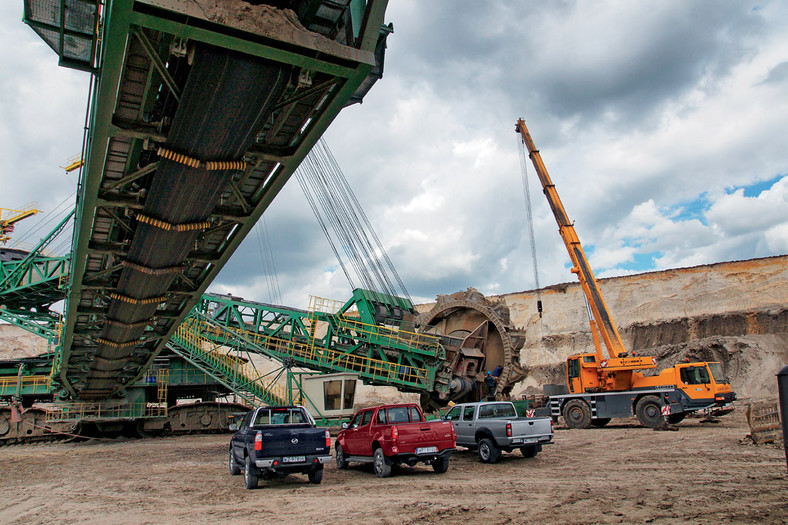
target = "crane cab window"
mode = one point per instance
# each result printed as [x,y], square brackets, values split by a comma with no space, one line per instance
[573,368]
[467,414]
[589,359]
[695,375]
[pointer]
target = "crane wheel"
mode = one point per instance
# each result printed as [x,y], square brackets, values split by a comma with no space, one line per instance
[577,414]
[649,411]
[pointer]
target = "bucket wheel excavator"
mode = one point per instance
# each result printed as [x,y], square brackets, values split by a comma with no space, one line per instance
[479,337]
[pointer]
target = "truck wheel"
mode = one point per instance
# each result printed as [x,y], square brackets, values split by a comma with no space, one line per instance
[381,464]
[529,451]
[649,411]
[250,474]
[341,461]
[235,468]
[675,419]
[316,476]
[600,422]
[577,414]
[441,465]
[488,452]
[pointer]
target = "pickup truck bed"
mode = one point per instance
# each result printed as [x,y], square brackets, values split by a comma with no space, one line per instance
[276,441]
[493,427]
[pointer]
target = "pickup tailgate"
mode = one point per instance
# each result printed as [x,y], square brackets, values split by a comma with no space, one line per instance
[425,437]
[283,441]
[532,429]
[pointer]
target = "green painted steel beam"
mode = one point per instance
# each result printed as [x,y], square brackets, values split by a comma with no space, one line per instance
[256,45]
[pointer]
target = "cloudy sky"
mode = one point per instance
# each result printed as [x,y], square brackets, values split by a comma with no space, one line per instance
[662,124]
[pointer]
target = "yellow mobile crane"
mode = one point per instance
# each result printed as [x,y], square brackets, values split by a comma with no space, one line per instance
[7,224]
[605,387]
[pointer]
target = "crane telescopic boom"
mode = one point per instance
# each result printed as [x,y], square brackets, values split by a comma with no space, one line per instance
[602,321]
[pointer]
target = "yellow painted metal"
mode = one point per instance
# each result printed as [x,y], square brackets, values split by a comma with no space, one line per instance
[9,385]
[188,334]
[73,163]
[6,224]
[333,359]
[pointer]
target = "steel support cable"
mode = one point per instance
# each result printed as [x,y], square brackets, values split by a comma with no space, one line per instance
[369,227]
[276,296]
[371,257]
[277,292]
[346,201]
[339,207]
[313,188]
[340,226]
[54,214]
[529,214]
[300,176]
[264,261]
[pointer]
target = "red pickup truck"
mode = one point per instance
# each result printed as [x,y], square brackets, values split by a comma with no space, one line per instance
[390,435]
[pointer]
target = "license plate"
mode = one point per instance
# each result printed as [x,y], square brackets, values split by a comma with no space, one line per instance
[426,450]
[293,459]
[516,441]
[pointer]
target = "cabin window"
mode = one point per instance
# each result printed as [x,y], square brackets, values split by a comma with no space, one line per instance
[573,368]
[332,395]
[349,395]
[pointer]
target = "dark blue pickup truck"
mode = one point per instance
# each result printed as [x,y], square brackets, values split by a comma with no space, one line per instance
[273,442]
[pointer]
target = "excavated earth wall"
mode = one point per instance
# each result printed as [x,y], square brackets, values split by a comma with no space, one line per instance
[733,312]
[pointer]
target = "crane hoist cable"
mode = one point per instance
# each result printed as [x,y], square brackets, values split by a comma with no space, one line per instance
[529,214]
[267,260]
[335,204]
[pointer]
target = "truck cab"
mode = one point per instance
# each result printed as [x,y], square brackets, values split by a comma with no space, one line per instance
[701,384]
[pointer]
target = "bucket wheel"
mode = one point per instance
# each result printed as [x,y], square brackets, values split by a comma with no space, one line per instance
[481,339]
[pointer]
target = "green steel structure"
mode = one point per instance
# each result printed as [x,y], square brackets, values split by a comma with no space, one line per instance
[371,335]
[199,113]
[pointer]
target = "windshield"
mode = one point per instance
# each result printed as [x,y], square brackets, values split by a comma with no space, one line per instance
[718,373]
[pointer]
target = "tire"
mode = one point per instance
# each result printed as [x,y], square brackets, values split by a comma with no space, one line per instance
[341,461]
[381,464]
[649,411]
[529,451]
[316,476]
[441,465]
[600,422]
[235,468]
[488,452]
[250,474]
[577,414]
[675,419]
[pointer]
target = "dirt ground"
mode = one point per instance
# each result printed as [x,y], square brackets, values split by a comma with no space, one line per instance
[619,474]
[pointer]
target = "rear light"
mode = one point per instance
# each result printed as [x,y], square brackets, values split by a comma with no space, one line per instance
[508,430]
[394,433]
[552,426]
[258,441]
[328,439]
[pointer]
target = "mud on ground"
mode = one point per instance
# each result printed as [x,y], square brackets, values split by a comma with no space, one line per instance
[619,474]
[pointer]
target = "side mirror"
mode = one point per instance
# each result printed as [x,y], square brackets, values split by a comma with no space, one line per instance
[233,427]
[344,426]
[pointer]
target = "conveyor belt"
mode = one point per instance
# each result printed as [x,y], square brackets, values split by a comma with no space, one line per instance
[178,85]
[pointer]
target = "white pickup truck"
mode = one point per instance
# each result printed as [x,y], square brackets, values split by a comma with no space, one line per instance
[492,427]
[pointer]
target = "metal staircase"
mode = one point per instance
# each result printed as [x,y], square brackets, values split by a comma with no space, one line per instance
[237,374]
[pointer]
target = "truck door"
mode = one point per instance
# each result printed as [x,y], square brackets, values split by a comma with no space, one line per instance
[696,382]
[464,427]
[358,438]
[573,375]
[241,437]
